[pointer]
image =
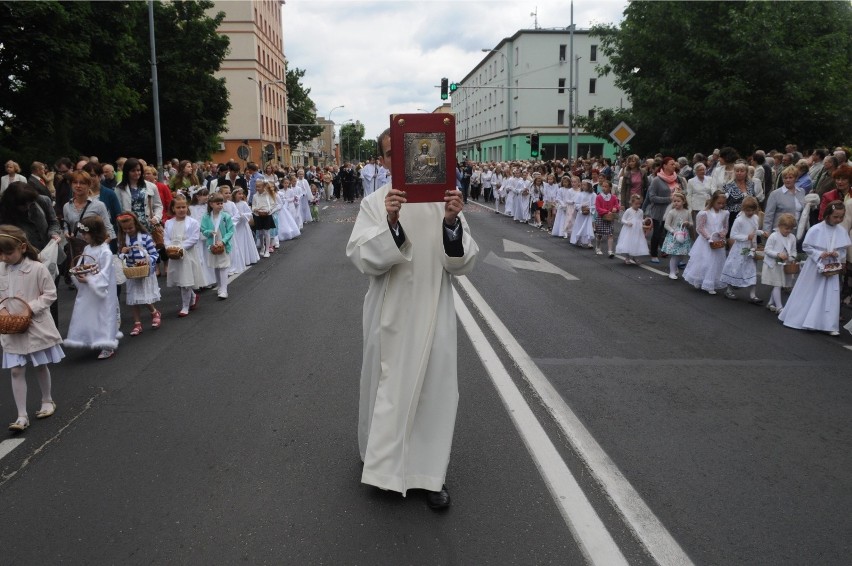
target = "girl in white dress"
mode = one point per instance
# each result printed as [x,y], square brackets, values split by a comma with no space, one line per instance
[521,188]
[285,223]
[145,290]
[303,189]
[561,208]
[509,191]
[183,231]
[780,250]
[571,210]
[740,268]
[677,243]
[239,259]
[22,275]
[583,231]
[217,228]
[263,207]
[551,190]
[294,197]
[243,237]
[93,322]
[704,270]
[197,210]
[814,303]
[631,240]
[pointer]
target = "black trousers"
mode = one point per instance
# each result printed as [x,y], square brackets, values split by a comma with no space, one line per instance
[657,237]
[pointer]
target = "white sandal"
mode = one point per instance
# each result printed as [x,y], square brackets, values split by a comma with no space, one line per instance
[44,413]
[20,424]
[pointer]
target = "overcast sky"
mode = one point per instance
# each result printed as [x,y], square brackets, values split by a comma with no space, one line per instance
[383,57]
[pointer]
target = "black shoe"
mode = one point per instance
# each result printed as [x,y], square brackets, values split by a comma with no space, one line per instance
[438,499]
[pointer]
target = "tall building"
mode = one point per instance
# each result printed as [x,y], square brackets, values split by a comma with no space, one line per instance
[524,85]
[255,73]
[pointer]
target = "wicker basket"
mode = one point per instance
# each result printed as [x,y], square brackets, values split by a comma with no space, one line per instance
[174,252]
[717,244]
[83,268]
[217,248]
[609,216]
[584,209]
[791,268]
[14,323]
[831,269]
[140,270]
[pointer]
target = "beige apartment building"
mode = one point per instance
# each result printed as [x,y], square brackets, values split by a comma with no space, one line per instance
[254,71]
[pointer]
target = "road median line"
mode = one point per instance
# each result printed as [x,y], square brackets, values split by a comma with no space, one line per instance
[626,501]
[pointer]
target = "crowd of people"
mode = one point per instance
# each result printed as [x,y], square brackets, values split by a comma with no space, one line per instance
[718,219]
[116,233]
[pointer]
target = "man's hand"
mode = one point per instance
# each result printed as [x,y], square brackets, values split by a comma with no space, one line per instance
[393,204]
[452,206]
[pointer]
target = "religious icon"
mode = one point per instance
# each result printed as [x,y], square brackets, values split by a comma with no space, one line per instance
[428,166]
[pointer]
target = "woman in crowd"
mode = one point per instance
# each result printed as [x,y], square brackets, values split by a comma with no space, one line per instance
[723,172]
[698,190]
[632,181]
[83,205]
[737,190]
[13,174]
[658,199]
[184,179]
[139,196]
[788,199]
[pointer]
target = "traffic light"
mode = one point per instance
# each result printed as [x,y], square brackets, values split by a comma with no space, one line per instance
[444,94]
[534,144]
[454,87]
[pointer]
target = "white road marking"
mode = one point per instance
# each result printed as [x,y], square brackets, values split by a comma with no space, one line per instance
[538,264]
[595,542]
[848,347]
[626,500]
[8,445]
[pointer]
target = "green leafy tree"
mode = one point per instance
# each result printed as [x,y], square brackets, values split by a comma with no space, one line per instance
[746,74]
[65,75]
[300,109]
[351,136]
[193,102]
[605,121]
[80,79]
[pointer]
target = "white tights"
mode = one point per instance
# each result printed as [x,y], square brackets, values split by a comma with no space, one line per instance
[674,260]
[264,239]
[186,295]
[222,279]
[19,386]
[775,299]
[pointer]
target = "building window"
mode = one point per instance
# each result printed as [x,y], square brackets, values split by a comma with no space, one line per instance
[591,114]
[561,86]
[562,49]
[593,83]
[593,55]
[560,117]
[516,88]
[516,56]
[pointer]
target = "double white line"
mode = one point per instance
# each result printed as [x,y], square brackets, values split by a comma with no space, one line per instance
[595,542]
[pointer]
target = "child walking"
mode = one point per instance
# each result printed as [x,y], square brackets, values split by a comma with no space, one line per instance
[262,207]
[185,271]
[145,290]
[582,233]
[22,276]
[677,243]
[93,322]
[197,210]
[780,250]
[218,229]
[631,241]
[740,268]
[607,206]
[707,255]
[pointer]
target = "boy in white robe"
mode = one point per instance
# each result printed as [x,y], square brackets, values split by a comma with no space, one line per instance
[409,387]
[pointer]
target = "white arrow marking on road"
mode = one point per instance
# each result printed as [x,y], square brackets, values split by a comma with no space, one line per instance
[538,264]
[8,445]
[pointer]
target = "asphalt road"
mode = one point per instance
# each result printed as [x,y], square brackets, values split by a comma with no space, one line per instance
[230,435]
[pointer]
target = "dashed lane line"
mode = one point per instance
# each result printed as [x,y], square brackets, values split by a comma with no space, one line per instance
[627,502]
[595,542]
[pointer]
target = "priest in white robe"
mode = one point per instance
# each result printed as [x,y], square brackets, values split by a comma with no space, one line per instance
[368,177]
[409,387]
